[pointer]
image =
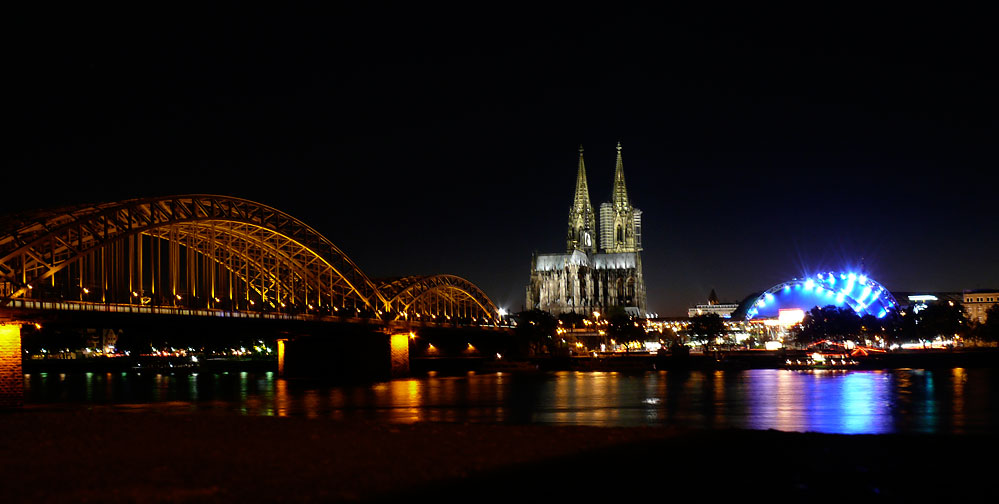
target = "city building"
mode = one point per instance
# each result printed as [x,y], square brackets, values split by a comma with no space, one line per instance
[977,302]
[915,302]
[723,310]
[602,266]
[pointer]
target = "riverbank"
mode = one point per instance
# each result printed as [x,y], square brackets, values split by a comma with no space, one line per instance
[95,455]
[152,364]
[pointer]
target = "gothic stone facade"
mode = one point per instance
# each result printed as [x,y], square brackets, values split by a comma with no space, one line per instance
[587,278]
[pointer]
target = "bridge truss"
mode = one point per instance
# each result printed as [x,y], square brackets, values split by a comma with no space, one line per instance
[206,252]
[437,296]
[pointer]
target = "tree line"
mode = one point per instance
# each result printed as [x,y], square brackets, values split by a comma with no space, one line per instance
[939,320]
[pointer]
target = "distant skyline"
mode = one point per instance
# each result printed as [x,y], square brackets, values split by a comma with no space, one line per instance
[759,147]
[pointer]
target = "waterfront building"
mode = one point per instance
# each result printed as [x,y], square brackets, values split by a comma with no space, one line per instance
[978,301]
[602,267]
[915,302]
[723,310]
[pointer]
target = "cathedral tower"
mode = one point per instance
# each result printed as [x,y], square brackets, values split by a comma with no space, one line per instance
[620,223]
[582,218]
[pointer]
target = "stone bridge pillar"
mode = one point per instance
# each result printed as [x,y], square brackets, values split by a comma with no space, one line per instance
[399,354]
[11,376]
[280,350]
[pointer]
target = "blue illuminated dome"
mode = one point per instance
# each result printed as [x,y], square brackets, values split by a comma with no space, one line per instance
[855,290]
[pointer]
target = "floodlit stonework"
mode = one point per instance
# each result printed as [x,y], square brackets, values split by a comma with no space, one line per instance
[593,275]
[977,303]
[11,378]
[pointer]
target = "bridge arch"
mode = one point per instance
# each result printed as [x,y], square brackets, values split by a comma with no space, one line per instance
[193,250]
[444,296]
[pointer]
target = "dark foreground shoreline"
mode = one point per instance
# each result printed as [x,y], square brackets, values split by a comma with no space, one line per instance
[95,455]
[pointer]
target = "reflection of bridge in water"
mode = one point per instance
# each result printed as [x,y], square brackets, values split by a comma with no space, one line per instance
[208,256]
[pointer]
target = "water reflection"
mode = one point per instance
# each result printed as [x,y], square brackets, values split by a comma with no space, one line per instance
[958,379]
[949,400]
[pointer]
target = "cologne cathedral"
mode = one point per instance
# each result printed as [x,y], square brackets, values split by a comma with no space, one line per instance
[602,266]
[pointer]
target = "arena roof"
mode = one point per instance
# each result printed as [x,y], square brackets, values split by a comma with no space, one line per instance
[842,289]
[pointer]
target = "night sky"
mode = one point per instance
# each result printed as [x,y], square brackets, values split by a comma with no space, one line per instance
[760,145]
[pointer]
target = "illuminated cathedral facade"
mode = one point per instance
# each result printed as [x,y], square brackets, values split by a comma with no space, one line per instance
[602,266]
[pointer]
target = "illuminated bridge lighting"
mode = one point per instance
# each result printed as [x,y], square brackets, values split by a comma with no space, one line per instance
[860,293]
[206,255]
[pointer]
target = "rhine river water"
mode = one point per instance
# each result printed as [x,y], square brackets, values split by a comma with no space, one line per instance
[849,402]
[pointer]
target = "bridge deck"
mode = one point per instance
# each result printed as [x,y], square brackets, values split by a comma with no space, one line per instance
[26,307]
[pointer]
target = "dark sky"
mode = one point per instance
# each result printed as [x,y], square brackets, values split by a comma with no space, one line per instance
[760,145]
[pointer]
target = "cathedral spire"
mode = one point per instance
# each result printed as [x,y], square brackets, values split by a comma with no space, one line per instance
[582,218]
[620,194]
[582,200]
[620,223]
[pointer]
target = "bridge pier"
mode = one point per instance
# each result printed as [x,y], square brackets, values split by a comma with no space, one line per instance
[280,351]
[399,354]
[11,375]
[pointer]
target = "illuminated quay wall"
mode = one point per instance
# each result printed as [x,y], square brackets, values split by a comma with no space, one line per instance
[11,377]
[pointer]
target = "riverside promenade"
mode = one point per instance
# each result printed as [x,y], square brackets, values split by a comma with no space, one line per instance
[62,454]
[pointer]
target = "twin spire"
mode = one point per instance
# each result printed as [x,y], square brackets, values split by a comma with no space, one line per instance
[619,196]
[583,233]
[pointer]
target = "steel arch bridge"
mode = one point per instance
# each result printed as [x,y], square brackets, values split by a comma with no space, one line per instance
[436,296]
[206,252]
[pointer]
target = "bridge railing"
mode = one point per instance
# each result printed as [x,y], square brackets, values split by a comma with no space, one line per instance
[84,306]
[31,304]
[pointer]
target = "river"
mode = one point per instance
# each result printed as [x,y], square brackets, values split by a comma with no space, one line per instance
[957,400]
